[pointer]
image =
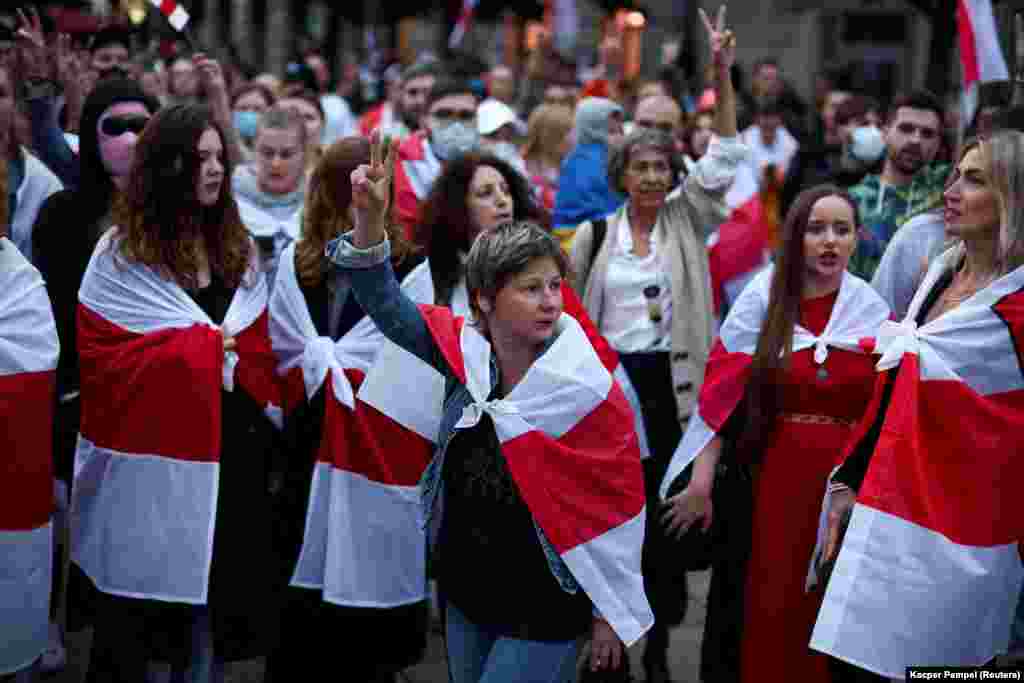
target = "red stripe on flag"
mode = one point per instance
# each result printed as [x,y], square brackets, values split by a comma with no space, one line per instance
[725,380]
[572,305]
[968,46]
[586,483]
[946,457]
[369,443]
[256,371]
[447,331]
[168,7]
[152,394]
[26,449]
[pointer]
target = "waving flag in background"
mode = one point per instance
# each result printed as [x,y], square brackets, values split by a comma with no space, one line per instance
[463,23]
[981,58]
[175,13]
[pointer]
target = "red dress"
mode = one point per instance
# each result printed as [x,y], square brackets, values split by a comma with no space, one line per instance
[798,458]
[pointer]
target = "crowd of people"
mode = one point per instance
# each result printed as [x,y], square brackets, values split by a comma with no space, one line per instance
[284,375]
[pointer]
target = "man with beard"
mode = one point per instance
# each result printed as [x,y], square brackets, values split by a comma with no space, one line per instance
[400,114]
[909,183]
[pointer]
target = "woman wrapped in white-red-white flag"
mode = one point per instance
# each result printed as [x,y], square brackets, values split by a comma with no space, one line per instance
[28,364]
[170,505]
[534,498]
[929,571]
[350,538]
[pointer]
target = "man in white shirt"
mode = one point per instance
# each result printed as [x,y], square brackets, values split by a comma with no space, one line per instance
[768,139]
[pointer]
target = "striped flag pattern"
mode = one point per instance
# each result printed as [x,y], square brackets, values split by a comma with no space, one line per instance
[153,367]
[463,23]
[930,569]
[367,467]
[566,433]
[28,361]
[981,58]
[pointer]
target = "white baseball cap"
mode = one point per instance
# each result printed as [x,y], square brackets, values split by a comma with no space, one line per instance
[492,114]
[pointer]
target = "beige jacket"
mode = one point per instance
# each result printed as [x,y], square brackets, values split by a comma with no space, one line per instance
[683,225]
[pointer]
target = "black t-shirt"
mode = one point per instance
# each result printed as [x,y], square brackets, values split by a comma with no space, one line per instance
[490,562]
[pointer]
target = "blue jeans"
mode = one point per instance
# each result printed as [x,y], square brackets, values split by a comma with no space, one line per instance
[479,655]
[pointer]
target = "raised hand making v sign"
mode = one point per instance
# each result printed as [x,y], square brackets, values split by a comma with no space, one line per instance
[371,192]
[722,45]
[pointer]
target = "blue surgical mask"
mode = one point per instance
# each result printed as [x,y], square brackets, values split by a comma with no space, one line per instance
[246,123]
[452,140]
[867,144]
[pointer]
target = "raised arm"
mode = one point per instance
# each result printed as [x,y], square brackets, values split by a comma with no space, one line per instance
[365,254]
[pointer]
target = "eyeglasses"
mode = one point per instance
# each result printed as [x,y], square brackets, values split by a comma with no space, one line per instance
[119,125]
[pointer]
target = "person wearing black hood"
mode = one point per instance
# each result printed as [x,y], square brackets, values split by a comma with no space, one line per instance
[67,228]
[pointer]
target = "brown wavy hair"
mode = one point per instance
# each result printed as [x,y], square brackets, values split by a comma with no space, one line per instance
[326,215]
[159,215]
[763,395]
[445,226]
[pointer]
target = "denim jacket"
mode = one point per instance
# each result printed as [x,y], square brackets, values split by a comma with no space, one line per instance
[399,319]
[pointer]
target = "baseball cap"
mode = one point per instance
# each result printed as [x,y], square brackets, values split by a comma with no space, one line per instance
[493,114]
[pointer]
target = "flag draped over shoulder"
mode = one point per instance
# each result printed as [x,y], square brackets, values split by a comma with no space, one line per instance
[930,568]
[367,467]
[856,316]
[176,15]
[566,433]
[28,362]
[153,367]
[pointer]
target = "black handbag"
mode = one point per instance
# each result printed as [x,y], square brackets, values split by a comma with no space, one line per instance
[731,500]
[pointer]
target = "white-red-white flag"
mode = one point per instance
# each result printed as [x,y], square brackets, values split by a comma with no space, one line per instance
[930,569]
[153,367]
[176,15]
[981,58]
[566,432]
[367,466]
[463,23]
[28,362]
[856,316]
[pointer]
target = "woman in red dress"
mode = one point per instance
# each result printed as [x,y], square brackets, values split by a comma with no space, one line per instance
[785,383]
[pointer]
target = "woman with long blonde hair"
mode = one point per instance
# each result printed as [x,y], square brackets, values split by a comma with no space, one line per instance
[547,142]
[350,543]
[927,487]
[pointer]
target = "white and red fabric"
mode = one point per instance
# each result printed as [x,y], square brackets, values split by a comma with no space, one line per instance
[153,367]
[415,173]
[462,24]
[856,317]
[981,58]
[566,433]
[28,362]
[364,540]
[738,251]
[930,569]
[176,15]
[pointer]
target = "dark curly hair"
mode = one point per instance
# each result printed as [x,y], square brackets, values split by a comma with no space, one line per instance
[159,214]
[445,227]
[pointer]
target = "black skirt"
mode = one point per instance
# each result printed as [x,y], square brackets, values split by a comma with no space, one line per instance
[664,576]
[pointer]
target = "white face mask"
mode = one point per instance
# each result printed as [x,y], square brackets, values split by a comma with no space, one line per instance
[452,140]
[867,145]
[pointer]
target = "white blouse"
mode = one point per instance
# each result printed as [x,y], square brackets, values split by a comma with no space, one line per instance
[635,287]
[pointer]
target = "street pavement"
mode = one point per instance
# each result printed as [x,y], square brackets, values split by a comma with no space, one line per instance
[684,651]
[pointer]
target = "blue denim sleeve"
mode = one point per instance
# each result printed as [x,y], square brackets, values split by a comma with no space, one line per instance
[48,141]
[380,296]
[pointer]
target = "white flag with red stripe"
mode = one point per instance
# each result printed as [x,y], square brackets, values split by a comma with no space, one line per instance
[981,58]
[566,432]
[930,569]
[463,23]
[153,367]
[28,362]
[856,316]
[367,467]
[175,13]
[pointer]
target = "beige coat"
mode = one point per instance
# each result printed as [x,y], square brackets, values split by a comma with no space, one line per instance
[683,225]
